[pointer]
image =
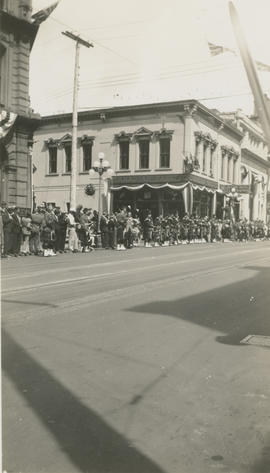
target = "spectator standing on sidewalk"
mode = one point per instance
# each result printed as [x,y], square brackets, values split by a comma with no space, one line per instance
[85,223]
[35,245]
[121,225]
[26,232]
[62,231]
[16,232]
[73,242]
[104,230]
[111,231]
[7,229]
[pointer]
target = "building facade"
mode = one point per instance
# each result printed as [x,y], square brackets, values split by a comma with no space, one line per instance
[255,165]
[167,157]
[17,121]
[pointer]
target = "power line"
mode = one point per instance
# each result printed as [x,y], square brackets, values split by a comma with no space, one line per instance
[134,80]
[96,42]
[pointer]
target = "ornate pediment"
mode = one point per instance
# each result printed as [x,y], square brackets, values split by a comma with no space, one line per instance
[123,136]
[206,138]
[51,142]
[86,140]
[229,150]
[163,134]
[67,138]
[142,133]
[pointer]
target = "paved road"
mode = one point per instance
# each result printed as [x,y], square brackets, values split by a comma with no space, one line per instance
[131,362]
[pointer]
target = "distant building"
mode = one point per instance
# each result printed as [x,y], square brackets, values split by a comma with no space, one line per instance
[254,170]
[17,121]
[167,157]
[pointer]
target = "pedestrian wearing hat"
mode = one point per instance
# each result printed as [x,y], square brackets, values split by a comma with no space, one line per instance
[73,241]
[16,233]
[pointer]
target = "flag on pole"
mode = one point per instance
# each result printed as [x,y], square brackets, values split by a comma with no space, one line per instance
[42,15]
[216,49]
[7,120]
[261,104]
[262,67]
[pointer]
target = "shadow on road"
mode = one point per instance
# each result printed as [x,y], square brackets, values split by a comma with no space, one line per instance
[89,442]
[238,309]
[262,465]
[44,304]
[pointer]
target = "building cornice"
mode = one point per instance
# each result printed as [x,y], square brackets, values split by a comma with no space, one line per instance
[179,107]
[20,27]
[245,152]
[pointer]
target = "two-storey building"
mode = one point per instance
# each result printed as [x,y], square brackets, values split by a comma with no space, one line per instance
[254,169]
[167,157]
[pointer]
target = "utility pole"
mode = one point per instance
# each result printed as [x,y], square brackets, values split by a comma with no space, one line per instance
[73,177]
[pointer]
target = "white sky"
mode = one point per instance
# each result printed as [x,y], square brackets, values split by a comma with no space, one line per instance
[146,51]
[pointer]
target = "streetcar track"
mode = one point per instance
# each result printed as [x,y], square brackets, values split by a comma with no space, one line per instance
[123,292]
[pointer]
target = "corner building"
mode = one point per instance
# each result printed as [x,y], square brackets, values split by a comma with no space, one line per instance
[167,157]
[17,120]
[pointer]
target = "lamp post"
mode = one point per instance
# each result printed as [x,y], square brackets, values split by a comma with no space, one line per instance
[100,166]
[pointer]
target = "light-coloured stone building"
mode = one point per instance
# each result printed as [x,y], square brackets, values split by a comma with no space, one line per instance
[254,169]
[167,157]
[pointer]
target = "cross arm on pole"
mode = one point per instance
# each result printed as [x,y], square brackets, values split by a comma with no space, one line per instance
[77,39]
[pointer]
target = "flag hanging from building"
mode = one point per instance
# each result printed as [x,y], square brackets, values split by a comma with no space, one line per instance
[42,15]
[216,49]
[7,120]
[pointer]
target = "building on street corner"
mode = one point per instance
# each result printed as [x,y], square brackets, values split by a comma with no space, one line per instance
[254,171]
[167,157]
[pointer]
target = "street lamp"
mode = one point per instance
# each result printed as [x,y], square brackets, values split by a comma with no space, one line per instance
[100,166]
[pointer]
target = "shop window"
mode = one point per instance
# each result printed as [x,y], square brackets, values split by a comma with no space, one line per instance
[124,155]
[68,158]
[164,145]
[53,160]
[144,154]
[202,203]
[87,156]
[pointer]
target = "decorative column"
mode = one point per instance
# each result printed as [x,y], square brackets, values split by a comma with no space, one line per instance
[225,166]
[214,204]
[199,145]
[189,111]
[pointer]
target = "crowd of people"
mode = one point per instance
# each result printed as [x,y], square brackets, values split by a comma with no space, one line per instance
[48,231]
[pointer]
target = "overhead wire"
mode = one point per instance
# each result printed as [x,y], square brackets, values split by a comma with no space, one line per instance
[133,80]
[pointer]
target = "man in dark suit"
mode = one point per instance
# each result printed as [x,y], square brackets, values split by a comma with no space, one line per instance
[16,232]
[7,229]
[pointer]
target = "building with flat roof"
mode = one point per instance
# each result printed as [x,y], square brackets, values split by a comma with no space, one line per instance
[167,157]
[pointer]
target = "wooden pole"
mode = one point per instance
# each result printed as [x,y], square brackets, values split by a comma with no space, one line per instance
[73,177]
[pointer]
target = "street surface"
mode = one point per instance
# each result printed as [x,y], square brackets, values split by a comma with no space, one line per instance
[131,362]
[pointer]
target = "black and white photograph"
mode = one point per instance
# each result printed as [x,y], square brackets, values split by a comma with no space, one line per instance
[135,236]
